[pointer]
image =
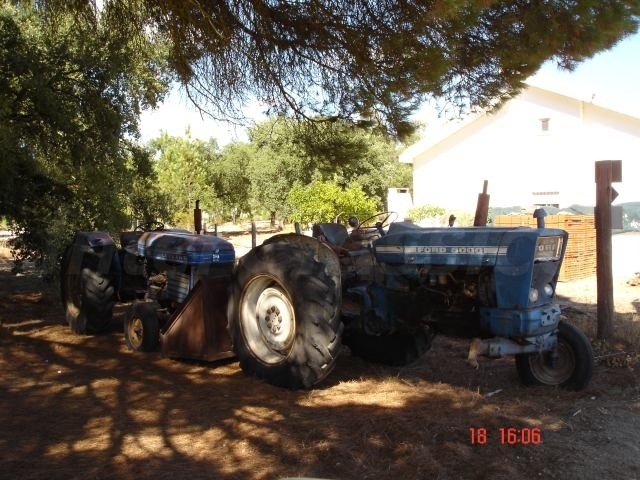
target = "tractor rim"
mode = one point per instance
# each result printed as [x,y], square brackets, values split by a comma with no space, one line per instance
[557,374]
[136,332]
[268,320]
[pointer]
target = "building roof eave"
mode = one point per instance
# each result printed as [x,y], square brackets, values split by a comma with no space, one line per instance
[440,134]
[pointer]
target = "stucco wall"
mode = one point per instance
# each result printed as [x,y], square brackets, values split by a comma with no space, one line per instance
[510,150]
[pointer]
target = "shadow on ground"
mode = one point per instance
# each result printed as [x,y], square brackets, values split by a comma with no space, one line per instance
[85,407]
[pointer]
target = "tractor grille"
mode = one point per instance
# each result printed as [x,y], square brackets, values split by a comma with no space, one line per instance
[177,286]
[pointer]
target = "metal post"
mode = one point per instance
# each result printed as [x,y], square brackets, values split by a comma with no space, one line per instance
[607,171]
[482,208]
[253,234]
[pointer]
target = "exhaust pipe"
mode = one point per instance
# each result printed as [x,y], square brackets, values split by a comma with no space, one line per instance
[197,217]
[539,215]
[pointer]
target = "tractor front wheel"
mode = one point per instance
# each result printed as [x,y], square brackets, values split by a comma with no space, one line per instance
[284,312]
[570,366]
[141,327]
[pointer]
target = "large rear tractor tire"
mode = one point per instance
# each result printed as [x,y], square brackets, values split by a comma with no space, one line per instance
[284,311]
[142,327]
[571,369]
[88,285]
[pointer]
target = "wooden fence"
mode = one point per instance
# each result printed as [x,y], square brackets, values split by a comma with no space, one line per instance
[580,257]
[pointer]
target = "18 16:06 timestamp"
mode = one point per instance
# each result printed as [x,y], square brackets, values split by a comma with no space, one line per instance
[506,436]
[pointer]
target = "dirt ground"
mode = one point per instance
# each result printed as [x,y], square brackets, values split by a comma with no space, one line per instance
[84,407]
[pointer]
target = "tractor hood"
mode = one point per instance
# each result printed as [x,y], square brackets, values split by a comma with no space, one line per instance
[406,243]
[185,248]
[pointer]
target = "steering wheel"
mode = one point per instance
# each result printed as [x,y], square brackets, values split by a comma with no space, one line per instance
[367,223]
[152,226]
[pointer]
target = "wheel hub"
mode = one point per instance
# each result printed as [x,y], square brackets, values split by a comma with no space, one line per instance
[554,368]
[275,318]
[136,332]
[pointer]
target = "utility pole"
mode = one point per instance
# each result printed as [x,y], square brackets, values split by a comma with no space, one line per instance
[607,171]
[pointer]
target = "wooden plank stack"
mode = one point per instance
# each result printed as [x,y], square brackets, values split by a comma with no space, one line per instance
[580,256]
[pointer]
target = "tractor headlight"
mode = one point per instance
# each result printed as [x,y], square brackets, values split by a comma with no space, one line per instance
[533,295]
[548,290]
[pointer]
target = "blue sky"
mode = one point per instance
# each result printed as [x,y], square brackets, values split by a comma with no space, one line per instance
[612,76]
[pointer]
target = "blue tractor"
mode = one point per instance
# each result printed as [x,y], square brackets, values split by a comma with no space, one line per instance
[286,308]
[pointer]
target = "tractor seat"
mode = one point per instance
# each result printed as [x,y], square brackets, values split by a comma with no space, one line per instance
[129,238]
[334,233]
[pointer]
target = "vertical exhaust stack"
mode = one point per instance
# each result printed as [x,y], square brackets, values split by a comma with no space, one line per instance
[539,214]
[197,217]
[482,208]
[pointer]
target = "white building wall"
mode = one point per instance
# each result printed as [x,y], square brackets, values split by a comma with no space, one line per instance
[510,150]
[611,136]
[399,201]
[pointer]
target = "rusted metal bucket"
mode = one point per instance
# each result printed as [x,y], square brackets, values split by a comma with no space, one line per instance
[198,330]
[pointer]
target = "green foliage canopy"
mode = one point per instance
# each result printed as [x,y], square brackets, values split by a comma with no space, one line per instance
[257,176]
[368,61]
[324,201]
[184,168]
[74,77]
[232,179]
[288,151]
[70,95]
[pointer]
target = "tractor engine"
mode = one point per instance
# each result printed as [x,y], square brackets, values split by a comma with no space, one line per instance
[467,282]
[441,298]
[446,298]
[175,261]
